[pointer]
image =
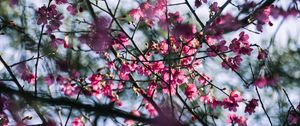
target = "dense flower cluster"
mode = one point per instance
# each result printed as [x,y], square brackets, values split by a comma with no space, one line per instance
[168,67]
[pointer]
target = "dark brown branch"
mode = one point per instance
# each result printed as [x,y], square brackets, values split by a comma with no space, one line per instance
[262,105]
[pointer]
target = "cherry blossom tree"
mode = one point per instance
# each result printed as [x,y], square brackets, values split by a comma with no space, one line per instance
[146,62]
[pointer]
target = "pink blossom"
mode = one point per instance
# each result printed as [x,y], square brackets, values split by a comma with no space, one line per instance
[69,89]
[124,71]
[163,47]
[233,119]
[55,41]
[293,118]
[262,17]
[72,9]
[25,73]
[230,104]
[175,17]
[262,54]
[223,23]
[77,122]
[241,45]
[49,79]
[198,3]
[151,89]
[121,41]
[251,105]
[203,79]
[261,82]
[191,91]
[107,90]
[137,14]
[95,79]
[186,61]
[120,87]
[149,107]
[214,7]
[232,62]
[157,67]
[235,96]
[29,77]
[210,100]
[60,80]
[219,48]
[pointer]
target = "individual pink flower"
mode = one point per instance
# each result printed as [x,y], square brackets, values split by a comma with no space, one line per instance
[203,79]
[60,80]
[262,17]
[149,107]
[95,79]
[77,122]
[124,71]
[69,89]
[293,118]
[25,73]
[72,9]
[234,119]
[186,31]
[251,105]
[219,48]
[210,100]
[98,38]
[235,96]
[207,99]
[137,14]
[241,45]
[191,91]
[186,61]
[163,47]
[107,90]
[49,79]
[151,89]
[261,82]
[56,41]
[120,87]
[214,7]
[198,3]
[157,67]
[229,104]
[175,17]
[232,63]
[29,77]
[179,77]
[121,41]
[262,55]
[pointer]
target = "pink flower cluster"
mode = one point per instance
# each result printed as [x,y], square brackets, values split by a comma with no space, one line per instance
[148,12]
[234,119]
[98,38]
[78,122]
[251,105]
[50,17]
[25,73]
